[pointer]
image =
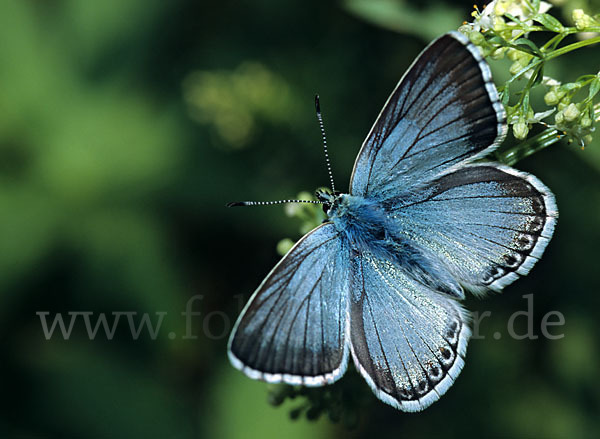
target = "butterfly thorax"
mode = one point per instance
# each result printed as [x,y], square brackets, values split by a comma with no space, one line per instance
[363,222]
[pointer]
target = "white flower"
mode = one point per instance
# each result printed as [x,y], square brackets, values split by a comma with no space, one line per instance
[521,9]
[492,14]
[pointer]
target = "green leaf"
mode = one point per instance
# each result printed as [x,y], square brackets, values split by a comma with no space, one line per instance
[496,39]
[549,22]
[594,88]
[530,47]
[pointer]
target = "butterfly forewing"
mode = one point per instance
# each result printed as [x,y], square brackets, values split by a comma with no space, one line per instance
[444,111]
[293,329]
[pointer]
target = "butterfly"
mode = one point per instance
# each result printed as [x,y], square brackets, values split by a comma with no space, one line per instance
[382,278]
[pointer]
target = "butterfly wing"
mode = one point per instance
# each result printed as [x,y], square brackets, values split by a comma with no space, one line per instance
[408,341]
[487,224]
[293,329]
[444,111]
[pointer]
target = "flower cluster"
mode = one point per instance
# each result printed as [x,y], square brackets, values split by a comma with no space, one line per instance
[502,29]
[575,118]
[493,16]
[583,21]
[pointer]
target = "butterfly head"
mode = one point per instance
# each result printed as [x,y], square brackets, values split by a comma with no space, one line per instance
[328,199]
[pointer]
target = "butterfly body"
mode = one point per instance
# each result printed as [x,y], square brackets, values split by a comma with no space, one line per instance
[381,279]
[367,225]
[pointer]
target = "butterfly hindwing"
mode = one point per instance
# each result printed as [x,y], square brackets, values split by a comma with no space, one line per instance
[293,329]
[443,112]
[486,223]
[408,341]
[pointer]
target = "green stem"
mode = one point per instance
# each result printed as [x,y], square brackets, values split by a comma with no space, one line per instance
[514,153]
[532,65]
[554,54]
[554,41]
[571,47]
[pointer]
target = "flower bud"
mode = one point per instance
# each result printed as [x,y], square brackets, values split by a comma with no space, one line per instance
[512,54]
[560,92]
[585,121]
[476,38]
[515,68]
[571,112]
[498,53]
[485,51]
[499,24]
[524,58]
[465,29]
[577,14]
[581,19]
[520,130]
[551,98]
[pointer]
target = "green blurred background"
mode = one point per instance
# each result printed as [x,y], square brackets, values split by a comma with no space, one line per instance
[125,127]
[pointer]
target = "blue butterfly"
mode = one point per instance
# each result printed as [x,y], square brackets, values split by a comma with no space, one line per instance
[380,281]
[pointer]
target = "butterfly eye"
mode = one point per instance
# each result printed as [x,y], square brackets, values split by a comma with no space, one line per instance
[322,195]
[326,207]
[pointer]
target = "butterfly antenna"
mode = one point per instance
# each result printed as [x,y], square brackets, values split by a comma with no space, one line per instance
[320,119]
[269,203]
